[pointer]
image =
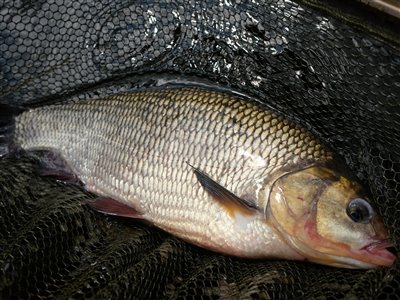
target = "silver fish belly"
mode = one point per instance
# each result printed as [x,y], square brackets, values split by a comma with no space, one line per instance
[140,149]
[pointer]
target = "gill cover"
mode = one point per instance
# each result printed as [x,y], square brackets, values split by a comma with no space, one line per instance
[327,219]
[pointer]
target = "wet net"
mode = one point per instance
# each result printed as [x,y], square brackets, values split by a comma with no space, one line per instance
[333,67]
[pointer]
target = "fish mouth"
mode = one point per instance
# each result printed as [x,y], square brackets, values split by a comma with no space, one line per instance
[379,252]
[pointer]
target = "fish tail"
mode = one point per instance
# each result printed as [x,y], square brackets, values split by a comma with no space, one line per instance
[7,128]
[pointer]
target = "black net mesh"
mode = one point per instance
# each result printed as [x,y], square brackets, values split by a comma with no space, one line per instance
[321,65]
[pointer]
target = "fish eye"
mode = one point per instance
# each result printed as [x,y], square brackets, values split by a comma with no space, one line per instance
[360,211]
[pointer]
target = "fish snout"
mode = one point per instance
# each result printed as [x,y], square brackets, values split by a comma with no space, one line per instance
[379,252]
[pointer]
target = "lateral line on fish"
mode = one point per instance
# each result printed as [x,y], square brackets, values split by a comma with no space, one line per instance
[229,200]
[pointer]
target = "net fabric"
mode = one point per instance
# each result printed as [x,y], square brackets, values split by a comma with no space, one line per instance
[339,81]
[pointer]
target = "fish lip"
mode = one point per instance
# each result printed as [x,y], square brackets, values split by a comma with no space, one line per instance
[378,245]
[378,249]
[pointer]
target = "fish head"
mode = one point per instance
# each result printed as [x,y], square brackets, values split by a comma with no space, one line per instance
[328,219]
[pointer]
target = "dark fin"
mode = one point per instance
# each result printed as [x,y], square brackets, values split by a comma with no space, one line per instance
[7,127]
[230,201]
[52,164]
[60,175]
[115,208]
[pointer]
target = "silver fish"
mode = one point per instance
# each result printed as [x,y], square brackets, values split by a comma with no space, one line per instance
[214,169]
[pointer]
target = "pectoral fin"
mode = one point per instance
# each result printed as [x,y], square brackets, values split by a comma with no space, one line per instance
[229,200]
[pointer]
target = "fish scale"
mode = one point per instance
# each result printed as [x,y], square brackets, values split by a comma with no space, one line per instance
[136,148]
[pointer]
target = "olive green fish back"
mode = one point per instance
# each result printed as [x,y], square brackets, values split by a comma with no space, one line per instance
[142,144]
[334,67]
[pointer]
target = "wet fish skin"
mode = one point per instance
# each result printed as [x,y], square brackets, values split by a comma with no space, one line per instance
[136,148]
[214,169]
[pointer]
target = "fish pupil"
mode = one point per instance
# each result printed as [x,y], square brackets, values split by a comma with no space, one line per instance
[359,211]
[356,216]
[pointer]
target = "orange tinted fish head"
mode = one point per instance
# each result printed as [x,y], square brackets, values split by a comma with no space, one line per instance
[327,219]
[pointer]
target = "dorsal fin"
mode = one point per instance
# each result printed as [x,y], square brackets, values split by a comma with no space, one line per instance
[229,200]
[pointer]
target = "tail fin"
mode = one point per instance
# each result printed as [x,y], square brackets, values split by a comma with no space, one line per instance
[7,127]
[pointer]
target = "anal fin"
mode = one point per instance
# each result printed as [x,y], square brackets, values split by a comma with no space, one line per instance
[52,164]
[113,207]
[59,174]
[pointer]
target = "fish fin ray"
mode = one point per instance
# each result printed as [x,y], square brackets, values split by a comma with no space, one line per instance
[52,164]
[113,207]
[228,199]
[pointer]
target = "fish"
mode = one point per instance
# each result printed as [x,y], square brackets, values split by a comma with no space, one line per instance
[217,169]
